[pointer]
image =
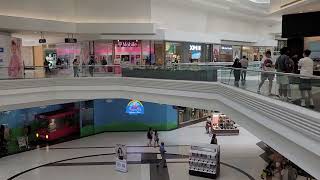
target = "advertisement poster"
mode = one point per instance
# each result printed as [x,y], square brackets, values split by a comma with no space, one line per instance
[236,52]
[15,66]
[121,158]
[216,53]
[84,53]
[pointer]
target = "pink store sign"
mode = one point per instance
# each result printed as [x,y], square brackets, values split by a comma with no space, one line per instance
[127,43]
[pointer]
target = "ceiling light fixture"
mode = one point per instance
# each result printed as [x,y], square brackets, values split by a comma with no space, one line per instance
[261,1]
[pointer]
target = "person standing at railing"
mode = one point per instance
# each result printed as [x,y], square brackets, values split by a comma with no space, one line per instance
[283,65]
[91,66]
[236,71]
[244,64]
[267,65]
[306,69]
[75,67]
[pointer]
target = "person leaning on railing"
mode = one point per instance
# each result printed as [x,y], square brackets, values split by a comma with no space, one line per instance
[306,69]
[283,65]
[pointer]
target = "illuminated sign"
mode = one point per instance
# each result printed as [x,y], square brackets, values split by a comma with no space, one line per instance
[128,43]
[135,107]
[195,48]
[226,47]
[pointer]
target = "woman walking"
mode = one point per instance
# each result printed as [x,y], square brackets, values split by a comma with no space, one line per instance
[236,71]
[156,138]
[149,136]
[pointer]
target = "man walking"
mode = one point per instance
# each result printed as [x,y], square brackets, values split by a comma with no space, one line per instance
[244,64]
[163,161]
[267,66]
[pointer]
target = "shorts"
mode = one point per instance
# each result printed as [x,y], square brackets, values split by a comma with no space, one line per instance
[305,84]
[265,76]
[282,79]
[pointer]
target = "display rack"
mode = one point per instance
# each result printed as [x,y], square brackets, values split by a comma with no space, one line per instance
[222,125]
[204,160]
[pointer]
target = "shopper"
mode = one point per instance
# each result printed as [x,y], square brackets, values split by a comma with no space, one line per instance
[268,67]
[283,65]
[306,69]
[268,171]
[163,151]
[261,57]
[292,173]
[208,125]
[149,136]
[295,59]
[156,138]
[46,65]
[244,65]
[91,66]
[75,68]
[59,63]
[214,139]
[236,71]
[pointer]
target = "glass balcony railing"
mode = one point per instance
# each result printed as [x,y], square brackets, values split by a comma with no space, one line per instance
[293,88]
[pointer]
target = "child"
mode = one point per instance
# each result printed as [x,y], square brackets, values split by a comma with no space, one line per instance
[156,138]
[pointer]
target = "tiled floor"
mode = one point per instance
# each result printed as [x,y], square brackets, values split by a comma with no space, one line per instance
[240,152]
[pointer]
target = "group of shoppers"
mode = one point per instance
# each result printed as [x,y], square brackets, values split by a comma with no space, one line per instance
[283,64]
[279,168]
[76,67]
[240,70]
[153,135]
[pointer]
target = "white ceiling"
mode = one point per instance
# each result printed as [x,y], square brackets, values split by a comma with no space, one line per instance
[243,9]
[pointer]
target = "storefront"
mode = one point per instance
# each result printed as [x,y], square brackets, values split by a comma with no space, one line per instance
[187,52]
[187,115]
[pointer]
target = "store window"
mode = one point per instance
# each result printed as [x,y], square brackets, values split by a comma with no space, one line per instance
[195,51]
[174,52]
[103,52]
[148,57]
[68,52]
[128,52]
[159,51]
[226,53]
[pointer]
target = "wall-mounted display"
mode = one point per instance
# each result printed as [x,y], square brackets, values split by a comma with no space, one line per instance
[135,107]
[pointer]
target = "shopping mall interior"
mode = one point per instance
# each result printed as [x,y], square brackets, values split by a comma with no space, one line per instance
[159,89]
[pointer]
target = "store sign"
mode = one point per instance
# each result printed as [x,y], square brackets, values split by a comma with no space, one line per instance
[135,107]
[226,47]
[127,43]
[195,48]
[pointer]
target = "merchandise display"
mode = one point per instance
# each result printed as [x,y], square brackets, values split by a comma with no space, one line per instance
[204,160]
[222,125]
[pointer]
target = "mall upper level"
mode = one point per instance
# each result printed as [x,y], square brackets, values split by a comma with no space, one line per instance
[292,130]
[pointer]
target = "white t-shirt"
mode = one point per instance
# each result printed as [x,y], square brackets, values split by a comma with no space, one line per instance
[306,66]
